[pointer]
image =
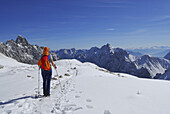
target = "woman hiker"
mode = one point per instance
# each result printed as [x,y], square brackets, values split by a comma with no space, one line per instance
[46,70]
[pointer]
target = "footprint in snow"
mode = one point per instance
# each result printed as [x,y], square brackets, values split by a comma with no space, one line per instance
[19,106]
[72,90]
[77,96]
[88,100]
[89,106]
[79,92]
[57,106]
[107,112]
[2,106]
[78,108]
[9,111]
[69,107]
[100,76]
[67,101]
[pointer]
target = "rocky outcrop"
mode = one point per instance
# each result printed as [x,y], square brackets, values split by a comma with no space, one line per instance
[22,51]
[164,76]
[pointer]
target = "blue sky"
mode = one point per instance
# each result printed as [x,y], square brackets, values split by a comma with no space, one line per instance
[86,23]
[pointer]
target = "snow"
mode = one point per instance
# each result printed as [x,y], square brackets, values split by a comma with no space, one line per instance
[132,58]
[35,47]
[88,89]
[20,45]
[13,79]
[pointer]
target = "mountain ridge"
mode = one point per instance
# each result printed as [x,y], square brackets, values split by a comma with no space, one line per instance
[118,60]
[22,51]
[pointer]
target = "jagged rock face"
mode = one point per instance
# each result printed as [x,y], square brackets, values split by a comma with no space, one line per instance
[164,76]
[22,51]
[154,65]
[167,56]
[118,60]
[22,41]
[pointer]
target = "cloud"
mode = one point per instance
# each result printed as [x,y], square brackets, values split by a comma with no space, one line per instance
[111,29]
[161,18]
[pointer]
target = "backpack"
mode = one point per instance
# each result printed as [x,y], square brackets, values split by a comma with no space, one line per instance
[44,62]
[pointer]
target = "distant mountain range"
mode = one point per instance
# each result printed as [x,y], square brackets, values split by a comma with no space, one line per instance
[118,60]
[156,51]
[22,51]
[113,59]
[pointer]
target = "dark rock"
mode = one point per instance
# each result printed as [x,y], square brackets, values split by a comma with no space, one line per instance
[22,51]
[167,56]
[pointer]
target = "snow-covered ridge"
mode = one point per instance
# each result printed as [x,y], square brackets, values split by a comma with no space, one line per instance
[22,51]
[9,62]
[118,60]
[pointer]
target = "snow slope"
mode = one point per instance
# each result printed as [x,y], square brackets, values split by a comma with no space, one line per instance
[86,89]
[13,77]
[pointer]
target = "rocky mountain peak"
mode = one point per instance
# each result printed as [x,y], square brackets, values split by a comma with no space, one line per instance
[107,48]
[22,51]
[21,40]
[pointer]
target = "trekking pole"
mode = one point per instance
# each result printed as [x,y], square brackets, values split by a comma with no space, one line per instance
[38,82]
[38,91]
[59,80]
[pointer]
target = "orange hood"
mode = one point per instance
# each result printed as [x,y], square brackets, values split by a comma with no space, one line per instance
[46,51]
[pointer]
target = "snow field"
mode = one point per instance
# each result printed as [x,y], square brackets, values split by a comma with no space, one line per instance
[86,89]
[101,92]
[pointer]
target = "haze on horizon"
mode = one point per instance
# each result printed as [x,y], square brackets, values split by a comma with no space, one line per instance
[85,23]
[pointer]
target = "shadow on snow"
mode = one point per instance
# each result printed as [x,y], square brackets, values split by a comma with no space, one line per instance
[17,99]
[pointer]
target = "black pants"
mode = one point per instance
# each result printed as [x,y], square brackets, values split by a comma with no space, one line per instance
[46,75]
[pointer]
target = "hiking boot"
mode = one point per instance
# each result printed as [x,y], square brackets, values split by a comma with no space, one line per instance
[46,95]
